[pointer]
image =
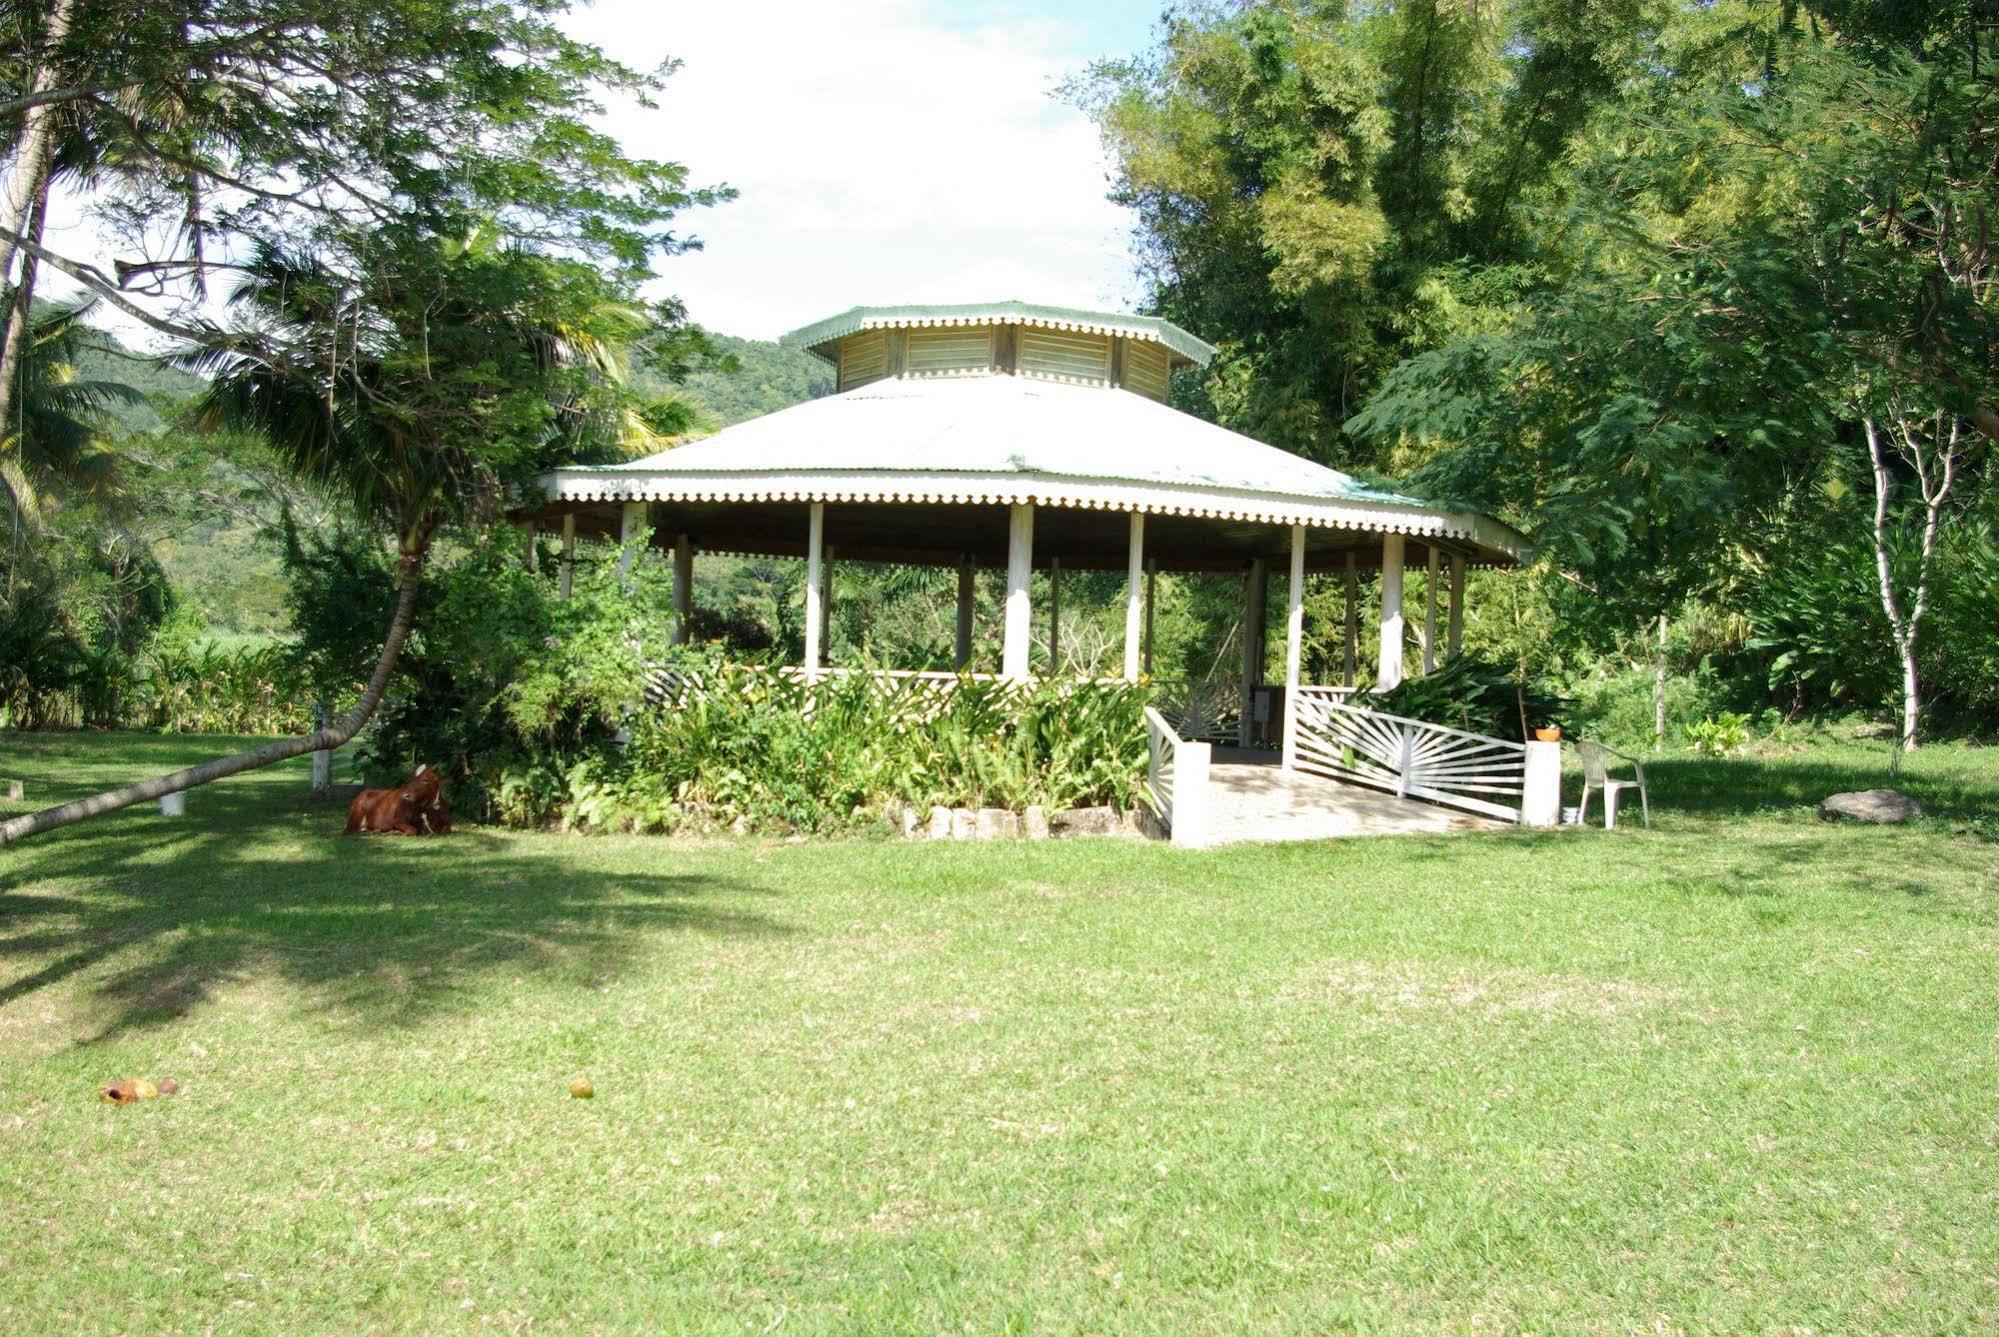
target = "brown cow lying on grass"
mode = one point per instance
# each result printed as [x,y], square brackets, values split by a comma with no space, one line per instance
[416,809]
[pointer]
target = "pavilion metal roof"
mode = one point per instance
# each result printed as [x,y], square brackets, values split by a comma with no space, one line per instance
[1014,439]
[816,336]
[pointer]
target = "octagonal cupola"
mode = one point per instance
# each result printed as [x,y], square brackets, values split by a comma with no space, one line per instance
[1051,343]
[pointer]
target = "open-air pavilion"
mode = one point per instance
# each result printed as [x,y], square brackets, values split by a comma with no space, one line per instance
[1022,438]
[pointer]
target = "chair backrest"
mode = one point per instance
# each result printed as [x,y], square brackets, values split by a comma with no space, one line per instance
[1595,758]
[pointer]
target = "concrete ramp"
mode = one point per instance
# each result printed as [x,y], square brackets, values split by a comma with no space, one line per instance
[1251,798]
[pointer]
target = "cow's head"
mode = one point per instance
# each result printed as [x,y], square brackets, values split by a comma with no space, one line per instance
[424,782]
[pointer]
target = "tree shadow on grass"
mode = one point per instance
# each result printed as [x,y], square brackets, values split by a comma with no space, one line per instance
[1745,786]
[256,884]
[1770,871]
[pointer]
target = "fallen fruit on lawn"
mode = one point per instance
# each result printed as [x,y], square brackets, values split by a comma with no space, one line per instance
[134,1089]
[581,1088]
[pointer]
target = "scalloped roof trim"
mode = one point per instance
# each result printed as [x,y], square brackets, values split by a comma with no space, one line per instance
[1418,521]
[813,337]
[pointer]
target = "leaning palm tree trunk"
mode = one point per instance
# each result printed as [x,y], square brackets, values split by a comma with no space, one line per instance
[334,735]
[27,184]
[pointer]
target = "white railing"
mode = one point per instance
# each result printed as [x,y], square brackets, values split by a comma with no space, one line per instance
[1177,781]
[1410,758]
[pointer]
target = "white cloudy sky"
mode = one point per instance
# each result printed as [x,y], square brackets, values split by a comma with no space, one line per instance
[885,151]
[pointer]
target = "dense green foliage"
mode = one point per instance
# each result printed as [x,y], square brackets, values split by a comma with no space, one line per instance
[1641,277]
[533,704]
[1478,696]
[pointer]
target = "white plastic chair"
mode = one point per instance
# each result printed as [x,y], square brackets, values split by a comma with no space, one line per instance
[1597,761]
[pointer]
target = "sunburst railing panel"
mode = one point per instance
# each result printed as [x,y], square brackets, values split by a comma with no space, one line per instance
[1408,758]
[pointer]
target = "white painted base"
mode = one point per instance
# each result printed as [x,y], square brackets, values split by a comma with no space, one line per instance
[1541,786]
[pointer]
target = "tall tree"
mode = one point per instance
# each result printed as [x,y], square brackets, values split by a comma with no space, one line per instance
[57,440]
[1324,189]
[1933,449]
[200,128]
[1749,271]
[418,396]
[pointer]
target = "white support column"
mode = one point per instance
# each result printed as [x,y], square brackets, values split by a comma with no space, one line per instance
[1294,645]
[1258,582]
[1388,672]
[967,591]
[1134,598]
[1454,638]
[631,531]
[1018,631]
[815,615]
[1151,593]
[566,577]
[683,589]
[1352,660]
[1054,616]
[1430,614]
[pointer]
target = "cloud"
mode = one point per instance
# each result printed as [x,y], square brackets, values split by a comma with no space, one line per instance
[880,148]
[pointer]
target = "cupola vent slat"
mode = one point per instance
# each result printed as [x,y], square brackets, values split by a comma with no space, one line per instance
[1065,355]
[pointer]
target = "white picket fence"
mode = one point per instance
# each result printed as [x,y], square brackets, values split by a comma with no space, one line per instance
[1176,780]
[1408,758]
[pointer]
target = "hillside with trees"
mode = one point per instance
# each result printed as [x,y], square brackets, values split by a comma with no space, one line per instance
[750,377]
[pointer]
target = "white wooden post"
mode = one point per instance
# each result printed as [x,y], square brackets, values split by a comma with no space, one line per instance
[815,615]
[1658,696]
[1541,786]
[1018,631]
[631,532]
[1388,671]
[1454,642]
[566,580]
[967,589]
[1151,591]
[1134,597]
[1352,659]
[1430,613]
[1191,762]
[1054,616]
[683,589]
[1252,646]
[1294,644]
[322,760]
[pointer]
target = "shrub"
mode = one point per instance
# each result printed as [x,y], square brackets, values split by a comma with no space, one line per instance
[1480,696]
[754,743]
[1722,735]
[252,689]
[1618,709]
[50,679]
[1817,617]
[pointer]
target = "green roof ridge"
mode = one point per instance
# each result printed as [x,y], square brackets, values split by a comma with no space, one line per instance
[858,318]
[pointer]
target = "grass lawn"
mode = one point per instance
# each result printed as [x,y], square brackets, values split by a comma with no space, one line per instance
[1740,1071]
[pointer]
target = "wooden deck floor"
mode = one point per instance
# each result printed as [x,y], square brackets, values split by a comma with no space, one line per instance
[1252,799]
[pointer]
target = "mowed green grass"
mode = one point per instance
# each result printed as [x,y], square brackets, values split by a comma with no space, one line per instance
[1738,1072]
